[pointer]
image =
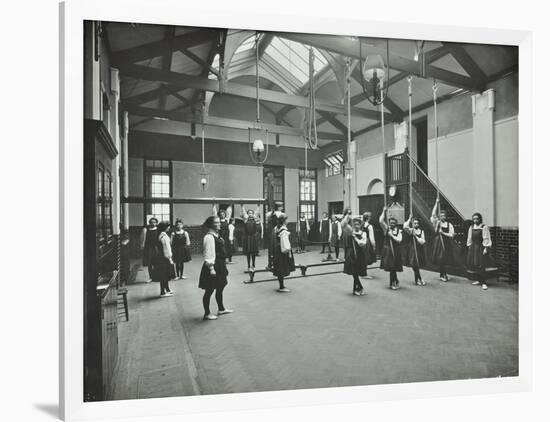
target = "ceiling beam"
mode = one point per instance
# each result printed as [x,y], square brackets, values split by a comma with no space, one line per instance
[167,59]
[350,48]
[222,122]
[429,57]
[466,61]
[202,83]
[160,48]
[200,61]
[264,43]
[331,118]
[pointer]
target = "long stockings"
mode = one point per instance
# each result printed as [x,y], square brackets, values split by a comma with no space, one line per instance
[337,251]
[393,279]
[417,276]
[281,282]
[206,299]
[357,286]
[179,269]
[251,257]
[164,288]
[150,271]
[442,270]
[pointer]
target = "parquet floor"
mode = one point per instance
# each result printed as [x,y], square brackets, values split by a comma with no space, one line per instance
[317,336]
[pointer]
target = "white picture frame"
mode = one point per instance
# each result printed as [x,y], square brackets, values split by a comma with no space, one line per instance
[72,15]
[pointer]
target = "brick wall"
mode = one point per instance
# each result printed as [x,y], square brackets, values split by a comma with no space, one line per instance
[505,248]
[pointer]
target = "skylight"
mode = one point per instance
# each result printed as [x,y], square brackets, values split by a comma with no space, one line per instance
[294,57]
[246,45]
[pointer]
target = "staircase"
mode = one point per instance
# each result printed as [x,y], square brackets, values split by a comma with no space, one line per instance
[424,195]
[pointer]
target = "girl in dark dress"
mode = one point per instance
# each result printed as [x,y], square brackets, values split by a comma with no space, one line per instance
[224,232]
[479,242]
[336,235]
[214,272]
[162,261]
[354,240]
[416,256]
[370,246]
[325,230]
[283,260]
[391,254]
[442,252]
[149,244]
[180,248]
[303,231]
[250,238]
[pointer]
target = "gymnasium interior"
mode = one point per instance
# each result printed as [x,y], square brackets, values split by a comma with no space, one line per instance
[179,121]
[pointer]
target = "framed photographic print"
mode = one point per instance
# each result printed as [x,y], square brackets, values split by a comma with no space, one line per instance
[265,212]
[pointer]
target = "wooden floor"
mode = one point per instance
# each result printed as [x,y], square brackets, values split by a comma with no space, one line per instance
[319,335]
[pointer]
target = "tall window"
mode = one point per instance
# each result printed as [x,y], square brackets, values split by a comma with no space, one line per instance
[274,186]
[158,184]
[333,163]
[104,204]
[308,193]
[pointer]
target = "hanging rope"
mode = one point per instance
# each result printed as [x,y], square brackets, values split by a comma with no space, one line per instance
[311,128]
[436,136]
[381,106]
[258,127]
[409,139]
[348,110]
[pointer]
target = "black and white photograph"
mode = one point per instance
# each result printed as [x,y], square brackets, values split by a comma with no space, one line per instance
[268,211]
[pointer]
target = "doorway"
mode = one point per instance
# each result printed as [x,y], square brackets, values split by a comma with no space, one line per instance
[421,126]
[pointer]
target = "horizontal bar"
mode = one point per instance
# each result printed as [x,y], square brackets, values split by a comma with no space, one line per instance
[142,200]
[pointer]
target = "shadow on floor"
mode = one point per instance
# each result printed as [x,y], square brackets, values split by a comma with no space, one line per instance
[50,409]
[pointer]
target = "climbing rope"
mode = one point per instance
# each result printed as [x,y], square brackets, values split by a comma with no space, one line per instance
[436,136]
[311,124]
[409,139]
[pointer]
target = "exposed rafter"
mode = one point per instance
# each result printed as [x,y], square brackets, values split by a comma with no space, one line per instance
[222,122]
[167,59]
[202,83]
[264,43]
[466,61]
[350,48]
[162,47]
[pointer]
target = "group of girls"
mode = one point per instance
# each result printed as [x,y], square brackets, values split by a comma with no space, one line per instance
[165,251]
[359,245]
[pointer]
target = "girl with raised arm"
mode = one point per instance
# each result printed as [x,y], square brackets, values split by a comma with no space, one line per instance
[370,247]
[478,243]
[416,256]
[391,254]
[355,240]
[442,252]
[214,272]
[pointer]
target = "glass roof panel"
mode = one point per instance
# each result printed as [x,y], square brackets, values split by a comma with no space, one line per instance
[294,57]
[246,45]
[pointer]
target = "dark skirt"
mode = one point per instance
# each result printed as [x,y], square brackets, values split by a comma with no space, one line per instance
[416,259]
[334,241]
[250,243]
[391,258]
[302,236]
[149,252]
[476,262]
[283,263]
[162,269]
[355,262]
[442,252]
[208,281]
[181,254]
[370,254]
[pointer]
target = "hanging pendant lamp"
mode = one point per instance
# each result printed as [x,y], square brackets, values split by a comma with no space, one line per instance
[257,135]
[375,75]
